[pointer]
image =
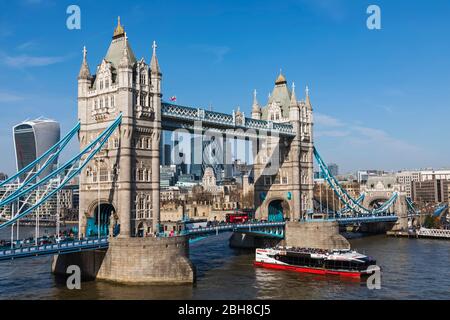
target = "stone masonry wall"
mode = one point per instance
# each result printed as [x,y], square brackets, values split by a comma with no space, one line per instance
[321,235]
[136,261]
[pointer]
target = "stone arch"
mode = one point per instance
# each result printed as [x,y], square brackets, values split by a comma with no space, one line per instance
[102,216]
[377,202]
[278,209]
[142,229]
[374,199]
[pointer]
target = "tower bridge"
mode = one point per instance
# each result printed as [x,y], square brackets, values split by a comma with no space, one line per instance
[121,117]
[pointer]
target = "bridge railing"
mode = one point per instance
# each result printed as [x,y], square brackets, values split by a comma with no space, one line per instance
[45,248]
[232,226]
[184,113]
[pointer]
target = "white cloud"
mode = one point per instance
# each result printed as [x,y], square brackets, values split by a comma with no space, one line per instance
[25,61]
[9,97]
[27,45]
[355,145]
[331,133]
[327,121]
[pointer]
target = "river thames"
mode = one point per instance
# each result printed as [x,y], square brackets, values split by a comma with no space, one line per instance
[411,269]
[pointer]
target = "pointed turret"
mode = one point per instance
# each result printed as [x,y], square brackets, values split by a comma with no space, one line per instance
[293,102]
[154,65]
[307,99]
[118,45]
[294,110]
[125,61]
[119,31]
[84,70]
[256,109]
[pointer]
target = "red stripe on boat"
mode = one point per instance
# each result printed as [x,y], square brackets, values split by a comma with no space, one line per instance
[307,270]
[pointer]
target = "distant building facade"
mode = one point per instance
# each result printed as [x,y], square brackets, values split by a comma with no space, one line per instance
[334,169]
[3,176]
[32,139]
[431,191]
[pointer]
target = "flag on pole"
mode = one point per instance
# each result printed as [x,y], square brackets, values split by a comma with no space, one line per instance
[173,98]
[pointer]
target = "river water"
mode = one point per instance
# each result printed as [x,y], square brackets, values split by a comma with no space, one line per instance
[412,269]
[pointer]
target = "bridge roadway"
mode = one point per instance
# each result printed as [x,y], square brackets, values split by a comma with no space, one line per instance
[267,229]
[270,229]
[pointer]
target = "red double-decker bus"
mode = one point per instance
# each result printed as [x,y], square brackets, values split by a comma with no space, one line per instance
[238,217]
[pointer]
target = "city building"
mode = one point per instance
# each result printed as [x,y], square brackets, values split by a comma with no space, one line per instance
[209,181]
[363,175]
[32,138]
[68,202]
[333,169]
[168,175]
[3,176]
[430,191]
[405,180]
[166,155]
[187,181]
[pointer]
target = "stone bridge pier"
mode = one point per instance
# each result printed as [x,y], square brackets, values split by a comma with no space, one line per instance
[139,261]
[320,235]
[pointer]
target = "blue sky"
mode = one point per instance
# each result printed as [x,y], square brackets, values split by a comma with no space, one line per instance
[381,98]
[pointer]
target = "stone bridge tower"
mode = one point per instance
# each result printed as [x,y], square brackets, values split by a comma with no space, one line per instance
[124,178]
[284,166]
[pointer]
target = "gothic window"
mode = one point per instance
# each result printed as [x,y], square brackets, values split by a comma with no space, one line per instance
[141,207]
[101,85]
[106,84]
[285,180]
[112,101]
[143,100]
[116,143]
[277,179]
[143,78]
[106,102]
[144,175]
[104,174]
[95,104]
[101,103]
[267,180]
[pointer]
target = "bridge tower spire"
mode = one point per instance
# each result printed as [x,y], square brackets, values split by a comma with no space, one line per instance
[256,109]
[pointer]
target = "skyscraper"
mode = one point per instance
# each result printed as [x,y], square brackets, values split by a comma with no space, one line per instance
[334,169]
[167,154]
[32,139]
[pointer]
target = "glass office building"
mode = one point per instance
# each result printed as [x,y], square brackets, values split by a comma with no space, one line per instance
[32,139]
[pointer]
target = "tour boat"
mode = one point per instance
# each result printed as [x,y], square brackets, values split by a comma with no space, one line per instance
[344,263]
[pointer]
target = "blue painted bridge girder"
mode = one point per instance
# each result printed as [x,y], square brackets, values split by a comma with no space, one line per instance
[182,117]
[269,229]
[359,219]
[52,249]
